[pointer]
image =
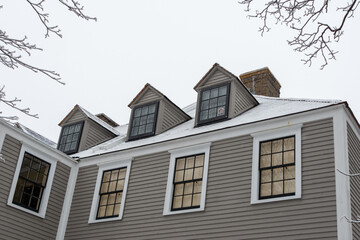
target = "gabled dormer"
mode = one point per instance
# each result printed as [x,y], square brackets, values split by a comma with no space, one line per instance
[221,96]
[153,113]
[81,130]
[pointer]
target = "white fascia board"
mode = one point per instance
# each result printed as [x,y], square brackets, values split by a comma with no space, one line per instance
[276,123]
[28,140]
[342,182]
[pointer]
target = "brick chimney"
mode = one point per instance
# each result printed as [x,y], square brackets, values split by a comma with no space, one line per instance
[261,82]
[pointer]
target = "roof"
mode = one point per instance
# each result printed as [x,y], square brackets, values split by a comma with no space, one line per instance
[35,135]
[268,108]
[92,117]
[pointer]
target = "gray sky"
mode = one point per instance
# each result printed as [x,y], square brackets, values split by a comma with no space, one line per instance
[169,44]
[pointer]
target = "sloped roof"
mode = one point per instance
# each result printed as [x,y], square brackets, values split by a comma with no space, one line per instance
[92,117]
[268,108]
[36,135]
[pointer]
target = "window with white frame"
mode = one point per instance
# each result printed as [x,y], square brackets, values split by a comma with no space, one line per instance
[110,191]
[276,168]
[187,179]
[32,181]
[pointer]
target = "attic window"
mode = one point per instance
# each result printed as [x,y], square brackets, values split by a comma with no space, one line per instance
[70,138]
[214,104]
[143,121]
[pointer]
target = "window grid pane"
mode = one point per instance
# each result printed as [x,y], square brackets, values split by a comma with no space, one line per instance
[214,104]
[188,182]
[70,138]
[277,168]
[111,190]
[31,183]
[144,120]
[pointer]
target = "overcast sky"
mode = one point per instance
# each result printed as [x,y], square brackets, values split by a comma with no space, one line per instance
[169,44]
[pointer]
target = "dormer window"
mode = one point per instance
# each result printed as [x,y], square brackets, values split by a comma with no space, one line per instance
[70,138]
[214,104]
[144,121]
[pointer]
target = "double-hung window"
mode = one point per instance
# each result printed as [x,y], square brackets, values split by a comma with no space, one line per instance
[214,104]
[143,121]
[70,138]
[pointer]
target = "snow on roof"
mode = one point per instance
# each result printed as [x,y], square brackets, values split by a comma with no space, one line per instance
[268,108]
[99,121]
[35,135]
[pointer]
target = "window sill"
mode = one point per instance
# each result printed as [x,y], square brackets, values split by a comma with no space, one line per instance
[104,220]
[165,213]
[257,201]
[41,215]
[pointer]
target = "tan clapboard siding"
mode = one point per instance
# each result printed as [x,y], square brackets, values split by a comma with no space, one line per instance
[95,134]
[242,99]
[16,224]
[228,213]
[169,117]
[77,116]
[354,167]
[148,97]
[217,78]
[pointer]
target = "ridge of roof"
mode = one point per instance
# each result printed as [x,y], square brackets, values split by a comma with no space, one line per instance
[300,99]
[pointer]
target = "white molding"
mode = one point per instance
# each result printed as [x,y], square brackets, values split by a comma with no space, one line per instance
[268,135]
[2,139]
[65,212]
[95,202]
[180,152]
[342,182]
[46,193]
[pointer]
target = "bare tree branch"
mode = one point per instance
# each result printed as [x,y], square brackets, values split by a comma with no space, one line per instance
[348,174]
[313,37]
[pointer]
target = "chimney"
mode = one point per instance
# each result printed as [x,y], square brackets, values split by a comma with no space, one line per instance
[261,82]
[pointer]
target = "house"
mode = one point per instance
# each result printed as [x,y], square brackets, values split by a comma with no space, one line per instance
[239,163]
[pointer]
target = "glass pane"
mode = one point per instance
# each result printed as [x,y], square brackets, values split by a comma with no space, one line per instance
[71,129]
[277,146]
[103,200]
[277,159]
[177,202]
[198,172]
[204,115]
[199,160]
[120,185]
[75,137]
[25,199]
[179,176]
[143,120]
[212,113]
[28,187]
[117,209]
[34,203]
[180,163]
[134,131]
[73,146]
[69,138]
[114,175]
[222,90]
[40,179]
[144,110]
[118,197]
[265,190]
[188,174]
[109,210]
[205,105]
[44,168]
[33,175]
[137,112]
[213,103]
[142,129]
[278,174]
[289,172]
[289,157]
[136,122]
[214,92]
[289,186]
[289,143]
[106,177]
[101,212]
[152,108]
[66,131]
[24,171]
[149,127]
[179,188]
[111,199]
[220,111]
[196,200]
[188,188]
[277,188]
[187,201]
[77,127]
[37,191]
[104,187]
[67,147]
[112,186]
[122,173]
[35,164]
[190,162]
[150,118]
[265,176]
[197,186]
[222,101]
[206,95]
[265,148]
[265,161]
[18,190]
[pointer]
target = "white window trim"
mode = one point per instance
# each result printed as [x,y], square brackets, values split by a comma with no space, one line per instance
[269,135]
[95,202]
[45,197]
[176,153]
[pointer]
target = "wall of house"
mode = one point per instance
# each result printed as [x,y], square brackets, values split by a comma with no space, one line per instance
[94,134]
[228,213]
[16,224]
[354,167]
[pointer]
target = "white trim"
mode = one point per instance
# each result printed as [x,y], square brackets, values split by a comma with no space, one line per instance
[176,153]
[268,135]
[343,204]
[2,139]
[67,203]
[46,192]
[94,206]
